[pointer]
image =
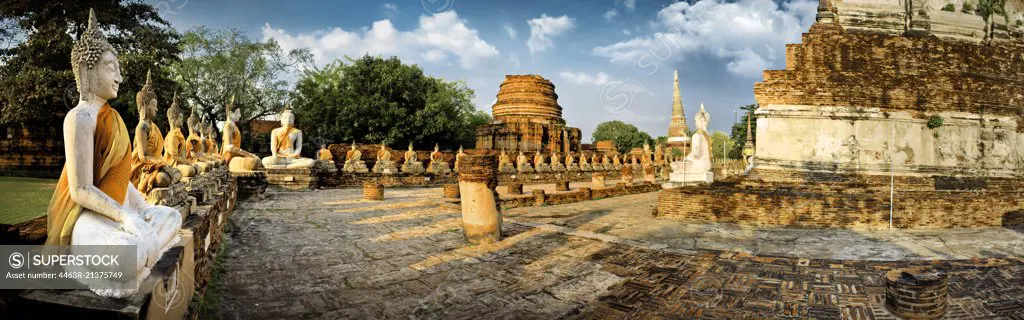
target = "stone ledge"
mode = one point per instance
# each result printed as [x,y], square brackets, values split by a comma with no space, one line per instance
[579,195]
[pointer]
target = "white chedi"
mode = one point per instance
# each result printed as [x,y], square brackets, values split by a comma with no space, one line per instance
[696,166]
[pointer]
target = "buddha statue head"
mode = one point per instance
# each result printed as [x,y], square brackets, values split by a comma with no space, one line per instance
[702,119]
[410,146]
[287,118]
[232,113]
[174,113]
[193,121]
[437,147]
[353,145]
[145,100]
[95,66]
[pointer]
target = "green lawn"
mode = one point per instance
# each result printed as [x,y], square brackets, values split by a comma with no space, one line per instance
[22,199]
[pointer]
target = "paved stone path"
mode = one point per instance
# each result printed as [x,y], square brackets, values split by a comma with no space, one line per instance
[328,255]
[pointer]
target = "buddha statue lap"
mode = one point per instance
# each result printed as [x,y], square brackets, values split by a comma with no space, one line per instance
[617,162]
[353,161]
[384,163]
[437,164]
[95,203]
[286,146]
[696,166]
[324,155]
[585,164]
[412,164]
[606,163]
[238,160]
[149,170]
[522,165]
[195,145]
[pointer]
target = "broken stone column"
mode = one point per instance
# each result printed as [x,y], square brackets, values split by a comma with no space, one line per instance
[562,185]
[627,174]
[916,293]
[597,180]
[373,190]
[538,197]
[515,188]
[587,193]
[451,191]
[481,216]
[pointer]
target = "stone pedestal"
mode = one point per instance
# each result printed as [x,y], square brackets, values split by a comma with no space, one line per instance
[200,187]
[451,191]
[557,167]
[481,216]
[543,167]
[597,180]
[586,167]
[355,166]
[538,197]
[626,174]
[413,168]
[507,168]
[678,179]
[916,293]
[572,167]
[562,185]
[250,183]
[439,167]
[174,196]
[385,167]
[526,168]
[515,188]
[373,191]
[292,179]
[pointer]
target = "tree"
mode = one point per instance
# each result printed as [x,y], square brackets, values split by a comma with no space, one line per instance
[377,100]
[37,86]
[718,140]
[739,131]
[626,136]
[217,65]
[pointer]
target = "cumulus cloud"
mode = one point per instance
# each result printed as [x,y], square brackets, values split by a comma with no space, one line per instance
[544,29]
[611,14]
[512,34]
[584,78]
[438,38]
[749,34]
[629,4]
[390,6]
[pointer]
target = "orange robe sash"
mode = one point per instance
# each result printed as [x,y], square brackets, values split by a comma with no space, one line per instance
[111,170]
[144,172]
[236,140]
[175,146]
[284,141]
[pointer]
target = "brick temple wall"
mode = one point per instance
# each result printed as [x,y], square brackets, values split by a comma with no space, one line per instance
[32,151]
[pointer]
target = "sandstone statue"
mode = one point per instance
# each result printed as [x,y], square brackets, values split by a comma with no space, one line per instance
[353,161]
[570,163]
[437,164]
[149,170]
[324,155]
[606,162]
[175,145]
[505,164]
[556,162]
[696,166]
[411,164]
[585,164]
[238,160]
[384,163]
[523,165]
[94,203]
[286,145]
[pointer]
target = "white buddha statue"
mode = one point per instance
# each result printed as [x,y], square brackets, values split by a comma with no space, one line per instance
[94,203]
[286,145]
[696,166]
[238,159]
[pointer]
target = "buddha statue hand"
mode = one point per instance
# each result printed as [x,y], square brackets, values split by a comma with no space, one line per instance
[133,223]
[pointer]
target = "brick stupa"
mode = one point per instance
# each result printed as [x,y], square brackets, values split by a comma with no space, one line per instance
[527,118]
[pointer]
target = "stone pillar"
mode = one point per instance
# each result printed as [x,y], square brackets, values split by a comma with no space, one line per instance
[916,293]
[515,188]
[597,180]
[627,174]
[372,190]
[587,193]
[649,173]
[562,185]
[538,197]
[481,216]
[451,191]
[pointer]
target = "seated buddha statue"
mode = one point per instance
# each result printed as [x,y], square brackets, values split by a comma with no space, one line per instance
[286,145]
[148,167]
[696,166]
[211,145]
[617,162]
[437,164]
[585,164]
[606,162]
[175,145]
[324,155]
[523,165]
[94,203]
[458,158]
[412,164]
[556,162]
[538,163]
[384,163]
[353,161]
[195,145]
[504,163]
[238,160]
[570,163]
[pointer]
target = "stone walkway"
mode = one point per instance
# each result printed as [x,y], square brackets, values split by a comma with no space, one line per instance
[328,254]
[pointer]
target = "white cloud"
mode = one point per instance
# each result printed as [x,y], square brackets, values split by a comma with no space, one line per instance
[629,4]
[512,34]
[390,6]
[437,38]
[611,14]
[626,32]
[543,29]
[598,79]
[749,34]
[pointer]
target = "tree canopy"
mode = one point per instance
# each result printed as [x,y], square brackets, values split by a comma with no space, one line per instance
[216,64]
[739,131]
[377,100]
[626,136]
[721,144]
[36,82]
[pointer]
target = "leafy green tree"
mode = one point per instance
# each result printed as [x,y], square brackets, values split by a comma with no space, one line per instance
[216,64]
[377,100]
[739,131]
[721,144]
[626,136]
[37,86]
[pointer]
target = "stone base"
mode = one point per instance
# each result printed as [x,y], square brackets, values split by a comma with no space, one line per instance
[525,169]
[506,168]
[250,183]
[558,167]
[385,167]
[572,167]
[373,191]
[325,166]
[201,186]
[413,168]
[439,167]
[542,168]
[171,196]
[586,167]
[678,179]
[358,166]
[292,179]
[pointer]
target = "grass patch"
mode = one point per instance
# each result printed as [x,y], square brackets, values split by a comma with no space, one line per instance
[24,199]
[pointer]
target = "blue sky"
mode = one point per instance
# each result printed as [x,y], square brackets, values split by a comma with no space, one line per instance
[609,59]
